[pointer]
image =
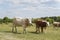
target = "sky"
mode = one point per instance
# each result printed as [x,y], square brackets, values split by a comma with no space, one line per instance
[29,8]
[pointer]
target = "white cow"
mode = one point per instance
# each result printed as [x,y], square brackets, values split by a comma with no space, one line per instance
[56,24]
[24,22]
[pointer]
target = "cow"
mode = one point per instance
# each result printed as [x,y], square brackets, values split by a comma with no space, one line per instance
[40,24]
[56,24]
[24,22]
[48,24]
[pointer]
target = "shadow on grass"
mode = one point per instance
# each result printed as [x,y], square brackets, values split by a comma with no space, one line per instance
[21,33]
[10,32]
[37,33]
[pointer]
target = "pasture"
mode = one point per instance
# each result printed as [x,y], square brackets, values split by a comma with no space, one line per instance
[49,34]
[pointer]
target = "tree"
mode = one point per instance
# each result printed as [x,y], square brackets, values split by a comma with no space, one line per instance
[58,19]
[5,20]
[10,20]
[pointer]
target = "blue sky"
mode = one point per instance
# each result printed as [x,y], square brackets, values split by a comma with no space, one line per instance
[29,8]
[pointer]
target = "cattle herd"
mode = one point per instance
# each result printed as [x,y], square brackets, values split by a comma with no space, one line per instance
[25,22]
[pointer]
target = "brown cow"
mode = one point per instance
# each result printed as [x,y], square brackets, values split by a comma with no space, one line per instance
[40,24]
[20,22]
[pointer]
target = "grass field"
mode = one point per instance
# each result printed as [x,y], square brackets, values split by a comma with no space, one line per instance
[49,34]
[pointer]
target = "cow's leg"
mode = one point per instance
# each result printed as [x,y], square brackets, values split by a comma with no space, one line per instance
[36,29]
[12,29]
[45,28]
[15,29]
[24,29]
[41,29]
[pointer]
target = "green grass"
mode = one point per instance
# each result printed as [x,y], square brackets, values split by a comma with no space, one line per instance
[49,34]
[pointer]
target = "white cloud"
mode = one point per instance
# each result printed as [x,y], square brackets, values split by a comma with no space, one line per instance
[1,1]
[57,0]
[32,6]
[45,0]
[14,1]
[29,1]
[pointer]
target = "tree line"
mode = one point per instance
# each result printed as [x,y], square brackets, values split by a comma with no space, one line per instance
[6,20]
[49,19]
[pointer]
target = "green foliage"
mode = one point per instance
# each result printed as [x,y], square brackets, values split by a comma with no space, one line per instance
[44,18]
[50,20]
[1,21]
[10,20]
[58,19]
[34,20]
[7,20]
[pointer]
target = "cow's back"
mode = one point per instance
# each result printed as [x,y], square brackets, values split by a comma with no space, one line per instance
[17,21]
[41,24]
[21,22]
